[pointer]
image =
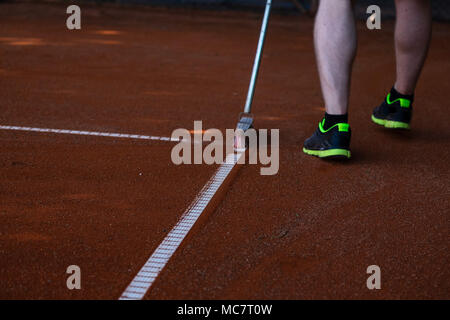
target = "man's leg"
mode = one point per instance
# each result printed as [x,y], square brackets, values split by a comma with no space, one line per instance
[335,44]
[412,37]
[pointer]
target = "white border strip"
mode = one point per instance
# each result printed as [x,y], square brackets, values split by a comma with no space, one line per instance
[89,133]
[158,260]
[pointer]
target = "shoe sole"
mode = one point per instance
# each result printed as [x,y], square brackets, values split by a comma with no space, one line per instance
[330,153]
[390,124]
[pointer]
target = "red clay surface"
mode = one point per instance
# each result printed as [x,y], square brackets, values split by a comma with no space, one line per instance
[310,231]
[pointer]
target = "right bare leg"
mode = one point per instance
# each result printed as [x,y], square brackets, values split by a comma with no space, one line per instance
[412,38]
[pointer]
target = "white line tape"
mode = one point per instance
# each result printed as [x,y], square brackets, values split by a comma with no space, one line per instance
[158,260]
[89,133]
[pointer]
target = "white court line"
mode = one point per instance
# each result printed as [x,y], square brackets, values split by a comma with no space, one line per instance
[158,260]
[89,133]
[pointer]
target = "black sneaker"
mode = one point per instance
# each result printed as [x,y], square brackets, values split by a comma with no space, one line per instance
[333,142]
[395,114]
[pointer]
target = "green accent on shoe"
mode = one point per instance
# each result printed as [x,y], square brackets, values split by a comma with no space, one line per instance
[381,122]
[396,125]
[342,126]
[404,103]
[328,153]
[391,124]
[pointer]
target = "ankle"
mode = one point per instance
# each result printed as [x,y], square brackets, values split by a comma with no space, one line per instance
[402,93]
[332,119]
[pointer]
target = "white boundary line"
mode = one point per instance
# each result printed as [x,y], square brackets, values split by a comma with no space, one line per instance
[88,133]
[158,260]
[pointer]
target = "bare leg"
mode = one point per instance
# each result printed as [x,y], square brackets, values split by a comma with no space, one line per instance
[412,37]
[335,44]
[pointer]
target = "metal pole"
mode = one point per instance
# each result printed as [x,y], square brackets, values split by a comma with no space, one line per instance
[251,88]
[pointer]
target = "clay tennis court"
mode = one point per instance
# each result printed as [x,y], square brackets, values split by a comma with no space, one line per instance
[105,203]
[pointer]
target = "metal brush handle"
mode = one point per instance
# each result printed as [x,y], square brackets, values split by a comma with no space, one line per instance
[262,36]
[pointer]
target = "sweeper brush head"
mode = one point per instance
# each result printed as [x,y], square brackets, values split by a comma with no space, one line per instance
[245,123]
